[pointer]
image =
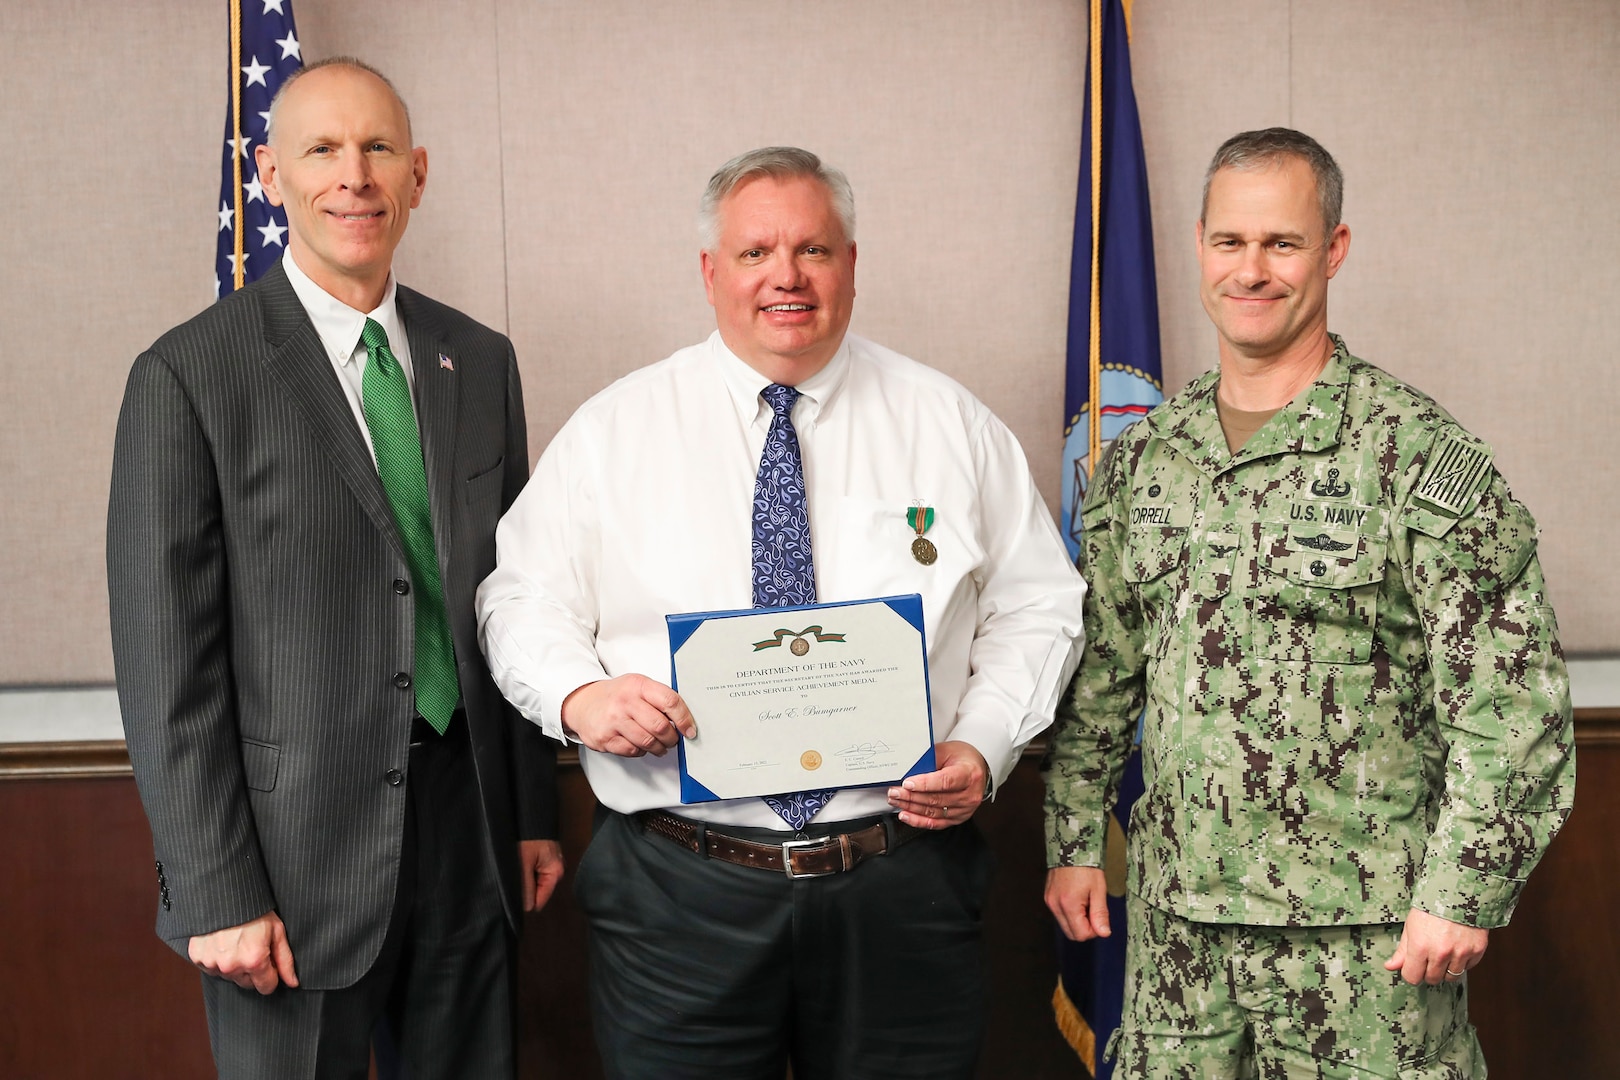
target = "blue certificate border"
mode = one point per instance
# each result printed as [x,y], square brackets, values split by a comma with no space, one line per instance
[908,607]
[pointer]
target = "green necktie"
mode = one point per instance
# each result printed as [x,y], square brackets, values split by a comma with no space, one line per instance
[399,465]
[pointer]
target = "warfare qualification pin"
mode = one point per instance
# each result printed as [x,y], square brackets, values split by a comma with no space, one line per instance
[921,518]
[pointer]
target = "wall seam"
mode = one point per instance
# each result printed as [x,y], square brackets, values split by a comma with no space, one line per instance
[500,164]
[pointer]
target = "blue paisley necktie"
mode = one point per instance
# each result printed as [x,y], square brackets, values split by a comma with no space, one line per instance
[784,572]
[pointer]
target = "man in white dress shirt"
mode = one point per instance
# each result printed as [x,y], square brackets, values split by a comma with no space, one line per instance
[712,951]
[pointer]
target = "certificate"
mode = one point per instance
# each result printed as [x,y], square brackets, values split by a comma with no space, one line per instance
[802,698]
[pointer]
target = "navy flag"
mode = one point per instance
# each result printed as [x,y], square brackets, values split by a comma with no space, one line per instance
[1114,379]
[1114,374]
[264,51]
[1090,995]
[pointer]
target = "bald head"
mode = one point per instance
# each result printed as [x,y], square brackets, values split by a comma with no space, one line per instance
[340,161]
[351,64]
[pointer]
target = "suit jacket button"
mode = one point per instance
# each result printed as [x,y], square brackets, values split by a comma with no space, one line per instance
[395,777]
[402,680]
[401,586]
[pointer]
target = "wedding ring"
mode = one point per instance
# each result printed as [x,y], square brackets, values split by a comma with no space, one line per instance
[1456,974]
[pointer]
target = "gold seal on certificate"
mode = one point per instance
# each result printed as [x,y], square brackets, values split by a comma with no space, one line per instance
[827,695]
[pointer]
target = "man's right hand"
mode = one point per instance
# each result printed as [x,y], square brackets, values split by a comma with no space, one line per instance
[254,956]
[630,716]
[1078,896]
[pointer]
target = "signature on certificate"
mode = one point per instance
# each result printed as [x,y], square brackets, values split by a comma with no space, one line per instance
[863,751]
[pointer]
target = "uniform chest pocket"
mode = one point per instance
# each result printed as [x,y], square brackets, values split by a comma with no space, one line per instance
[1317,599]
[1152,558]
[1151,553]
[876,552]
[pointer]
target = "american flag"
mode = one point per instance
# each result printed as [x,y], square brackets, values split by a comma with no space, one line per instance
[264,51]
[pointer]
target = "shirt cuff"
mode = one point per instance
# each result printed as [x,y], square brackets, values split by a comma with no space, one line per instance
[989,739]
[1467,896]
[1069,843]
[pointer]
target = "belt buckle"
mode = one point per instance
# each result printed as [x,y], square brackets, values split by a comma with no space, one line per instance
[787,858]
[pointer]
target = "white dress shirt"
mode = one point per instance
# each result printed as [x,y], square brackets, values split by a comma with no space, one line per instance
[641,507]
[339,327]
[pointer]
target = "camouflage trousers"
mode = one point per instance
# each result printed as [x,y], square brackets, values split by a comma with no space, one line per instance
[1210,1001]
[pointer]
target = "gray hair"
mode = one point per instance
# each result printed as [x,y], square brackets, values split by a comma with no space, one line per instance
[781,163]
[1259,149]
[352,62]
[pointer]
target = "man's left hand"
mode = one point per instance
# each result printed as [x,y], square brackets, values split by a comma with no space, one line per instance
[1435,950]
[947,796]
[540,867]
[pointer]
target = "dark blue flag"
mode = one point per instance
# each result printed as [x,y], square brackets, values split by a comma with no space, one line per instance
[1114,374]
[1090,996]
[1114,379]
[263,52]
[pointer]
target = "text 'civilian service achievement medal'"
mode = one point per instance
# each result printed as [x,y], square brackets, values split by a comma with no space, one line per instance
[921,518]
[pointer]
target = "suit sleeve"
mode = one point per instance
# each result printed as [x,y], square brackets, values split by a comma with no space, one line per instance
[534,757]
[169,601]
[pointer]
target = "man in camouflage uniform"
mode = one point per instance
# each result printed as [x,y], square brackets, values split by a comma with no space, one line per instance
[1357,739]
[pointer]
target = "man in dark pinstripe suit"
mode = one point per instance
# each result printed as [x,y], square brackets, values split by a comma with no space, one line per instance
[333,851]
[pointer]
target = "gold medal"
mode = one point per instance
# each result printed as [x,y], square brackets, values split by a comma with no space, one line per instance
[923,550]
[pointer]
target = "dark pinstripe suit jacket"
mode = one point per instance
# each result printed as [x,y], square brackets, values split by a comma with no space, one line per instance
[252,562]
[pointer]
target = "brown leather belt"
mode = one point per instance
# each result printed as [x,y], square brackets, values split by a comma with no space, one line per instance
[815,857]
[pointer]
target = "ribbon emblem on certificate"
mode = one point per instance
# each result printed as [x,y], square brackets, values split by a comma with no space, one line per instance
[801,639]
[921,518]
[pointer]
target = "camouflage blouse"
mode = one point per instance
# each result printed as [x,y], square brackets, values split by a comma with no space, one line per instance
[1355,698]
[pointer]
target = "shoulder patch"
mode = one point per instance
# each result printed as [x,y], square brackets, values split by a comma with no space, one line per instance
[1096,516]
[1099,491]
[1458,467]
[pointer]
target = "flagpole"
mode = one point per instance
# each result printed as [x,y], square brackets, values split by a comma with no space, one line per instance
[1094,406]
[236,131]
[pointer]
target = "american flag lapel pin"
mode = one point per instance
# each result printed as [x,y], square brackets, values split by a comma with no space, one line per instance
[444,362]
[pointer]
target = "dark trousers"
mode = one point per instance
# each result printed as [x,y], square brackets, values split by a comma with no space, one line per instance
[440,995]
[712,971]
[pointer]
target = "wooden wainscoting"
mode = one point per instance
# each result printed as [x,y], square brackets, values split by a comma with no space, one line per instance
[88,990]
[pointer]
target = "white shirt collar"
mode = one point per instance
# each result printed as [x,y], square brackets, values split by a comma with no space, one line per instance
[744,384]
[338,324]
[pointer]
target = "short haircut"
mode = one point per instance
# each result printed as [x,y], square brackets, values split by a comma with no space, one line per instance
[1268,147]
[781,163]
[334,61]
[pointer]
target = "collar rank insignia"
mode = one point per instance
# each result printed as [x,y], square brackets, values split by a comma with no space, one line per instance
[1322,542]
[1458,466]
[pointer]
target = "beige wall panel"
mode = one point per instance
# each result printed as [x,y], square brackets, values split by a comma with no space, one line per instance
[1483,191]
[568,143]
[112,128]
[443,59]
[1202,72]
[957,123]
